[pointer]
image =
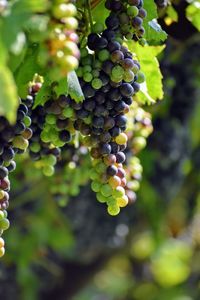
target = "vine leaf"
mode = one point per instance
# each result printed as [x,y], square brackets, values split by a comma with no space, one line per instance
[74,88]
[8,95]
[153,88]
[43,94]
[154,33]
[99,12]
[27,69]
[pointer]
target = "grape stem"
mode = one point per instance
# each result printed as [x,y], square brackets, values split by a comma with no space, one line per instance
[90,14]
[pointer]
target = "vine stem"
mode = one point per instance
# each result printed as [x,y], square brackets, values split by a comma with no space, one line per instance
[90,14]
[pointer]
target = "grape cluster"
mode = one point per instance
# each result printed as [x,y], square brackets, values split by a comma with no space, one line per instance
[60,50]
[137,132]
[13,140]
[110,77]
[58,127]
[44,153]
[126,18]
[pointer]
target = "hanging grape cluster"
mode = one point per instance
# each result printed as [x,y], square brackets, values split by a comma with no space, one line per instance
[60,51]
[13,140]
[110,77]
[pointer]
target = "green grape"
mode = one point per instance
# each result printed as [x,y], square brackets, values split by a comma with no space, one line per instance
[87,69]
[128,76]
[87,77]
[45,137]
[111,201]
[48,170]
[117,72]
[118,192]
[97,64]
[83,52]
[96,186]
[95,73]
[1,215]
[97,83]
[79,72]
[4,224]
[20,142]
[50,119]
[132,11]
[106,190]
[113,210]
[68,112]
[2,251]
[50,160]
[97,27]
[101,198]
[27,121]
[94,175]
[100,167]
[35,147]
[141,77]
[64,10]
[103,55]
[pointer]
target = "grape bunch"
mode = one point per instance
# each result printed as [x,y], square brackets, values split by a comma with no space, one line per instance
[43,153]
[126,18]
[139,128]
[13,140]
[58,128]
[60,50]
[110,77]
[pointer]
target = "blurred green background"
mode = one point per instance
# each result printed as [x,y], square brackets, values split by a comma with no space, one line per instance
[152,249]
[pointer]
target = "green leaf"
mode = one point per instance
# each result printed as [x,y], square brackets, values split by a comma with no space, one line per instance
[27,69]
[153,88]
[154,33]
[43,94]
[8,95]
[151,9]
[20,13]
[100,13]
[62,87]
[193,14]
[74,88]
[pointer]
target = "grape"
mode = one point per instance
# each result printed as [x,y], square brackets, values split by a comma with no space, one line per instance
[126,90]
[113,210]
[122,201]
[4,224]
[112,170]
[106,190]
[132,11]
[2,243]
[120,157]
[114,181]
[105,149]
[2,251]
[96,186]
